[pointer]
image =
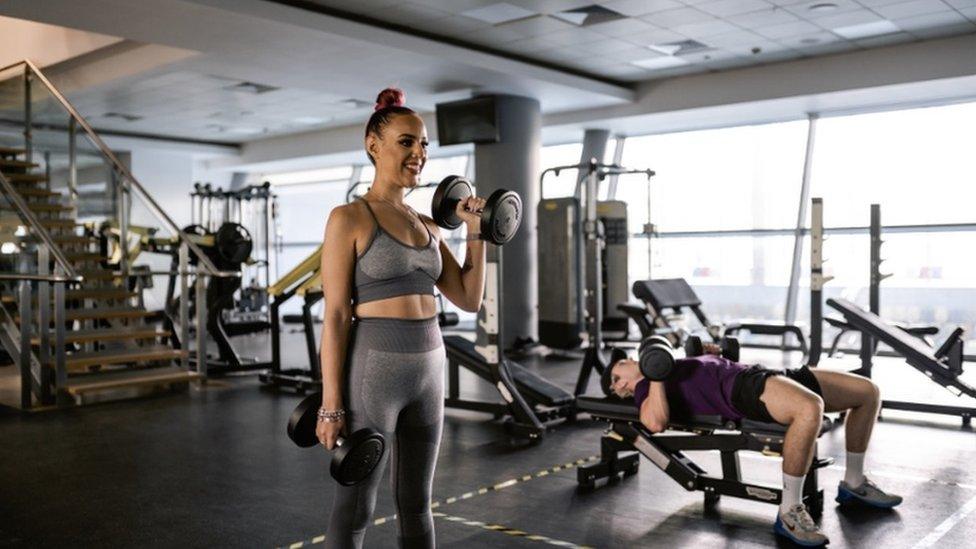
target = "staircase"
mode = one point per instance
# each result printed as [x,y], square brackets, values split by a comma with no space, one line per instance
[114,346]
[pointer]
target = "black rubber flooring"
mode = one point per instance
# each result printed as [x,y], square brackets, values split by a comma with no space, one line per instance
[213,467]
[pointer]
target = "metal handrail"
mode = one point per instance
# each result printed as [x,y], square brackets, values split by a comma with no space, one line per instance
[25,213]
[40,278]
[122,169]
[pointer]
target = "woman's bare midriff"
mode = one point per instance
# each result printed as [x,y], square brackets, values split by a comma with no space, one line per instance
[414,306]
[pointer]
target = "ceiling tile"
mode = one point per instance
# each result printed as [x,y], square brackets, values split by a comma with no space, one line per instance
[931,20]
[706,29]
[737,38]
[806,40]
[961,4]
[535,26]
[628,55]
[765,47]
[724,8]
[459,25]
[500,12]
[946,30]
[672,18]
[843,6]
[606,46]
[621,27]
[765,18]
[407,13]
[493,36]
[549,6]
[826,49]
[633,8]
[872,3]
[885,40]
[784,30]
[654,36]
[574,36]
[856,17]
[969,13]
[909,9]
[453,6]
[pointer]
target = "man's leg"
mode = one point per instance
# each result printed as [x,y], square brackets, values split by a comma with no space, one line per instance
[862,400]
[792,404]
[802,411]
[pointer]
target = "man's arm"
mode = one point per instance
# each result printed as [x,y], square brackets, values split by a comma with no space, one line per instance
[654,409]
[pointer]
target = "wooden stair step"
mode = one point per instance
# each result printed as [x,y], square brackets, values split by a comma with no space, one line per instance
[5,162]
[81,362]
[84,256]
[42,207]
[21,178]
[12,151]
[101,313]
[85,293]
[109,334]
[99,274]
[38,192]
[132,378]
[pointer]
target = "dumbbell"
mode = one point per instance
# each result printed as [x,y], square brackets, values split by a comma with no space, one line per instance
[500,218]
[656,358]
[354,458]
[730,347]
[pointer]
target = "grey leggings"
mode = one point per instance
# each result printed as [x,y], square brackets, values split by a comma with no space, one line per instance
[394,384]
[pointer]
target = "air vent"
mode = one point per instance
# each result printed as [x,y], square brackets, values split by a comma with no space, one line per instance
[251,87]
[122,116]
[589,15]
[683,47]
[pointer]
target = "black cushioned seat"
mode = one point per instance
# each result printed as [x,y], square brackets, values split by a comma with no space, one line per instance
[618,409]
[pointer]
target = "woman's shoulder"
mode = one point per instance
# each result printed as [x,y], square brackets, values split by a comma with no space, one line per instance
[351,214]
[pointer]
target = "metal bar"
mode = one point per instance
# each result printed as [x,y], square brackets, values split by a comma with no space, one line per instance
[60,370]
[184,306]
[922,228]
[25,344]
[123,194]
[26,214]
[817,281]
[201,310]
[28,118]
[47,170]
[72,159]
[792,294]
[43,307]
[124,171]
[618,156]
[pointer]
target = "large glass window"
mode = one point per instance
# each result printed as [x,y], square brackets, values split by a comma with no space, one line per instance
[714,182]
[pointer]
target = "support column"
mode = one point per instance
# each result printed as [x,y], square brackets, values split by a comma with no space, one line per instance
[514,163]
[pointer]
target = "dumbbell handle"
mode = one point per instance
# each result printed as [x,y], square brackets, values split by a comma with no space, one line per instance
[455,201]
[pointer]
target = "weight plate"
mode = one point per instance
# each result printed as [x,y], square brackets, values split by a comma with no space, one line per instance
[450,191]
[502,217]
[233,242]
[357,457]
[302,422]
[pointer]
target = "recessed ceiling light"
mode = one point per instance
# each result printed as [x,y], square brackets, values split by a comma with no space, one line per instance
[823,6]
[499,13]
[682,47]
[866,30]
[663,62]
[588,15]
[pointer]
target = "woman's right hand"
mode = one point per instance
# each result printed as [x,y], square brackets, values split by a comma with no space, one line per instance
[329,431]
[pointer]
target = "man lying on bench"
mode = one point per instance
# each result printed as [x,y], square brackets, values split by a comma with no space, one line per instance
[713,385]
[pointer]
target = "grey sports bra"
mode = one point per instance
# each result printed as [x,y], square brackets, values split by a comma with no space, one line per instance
[389,268]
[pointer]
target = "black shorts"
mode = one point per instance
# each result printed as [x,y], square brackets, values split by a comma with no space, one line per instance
[750,383]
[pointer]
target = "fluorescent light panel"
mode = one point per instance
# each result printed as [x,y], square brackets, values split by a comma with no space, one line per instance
[866,30]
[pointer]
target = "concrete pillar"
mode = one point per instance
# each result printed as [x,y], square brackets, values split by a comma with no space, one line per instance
[513,163]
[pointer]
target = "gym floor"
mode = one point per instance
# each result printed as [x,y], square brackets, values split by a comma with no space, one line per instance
[212,466]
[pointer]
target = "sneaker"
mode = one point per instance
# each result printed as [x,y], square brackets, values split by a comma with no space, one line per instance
[798,527]
[867,493]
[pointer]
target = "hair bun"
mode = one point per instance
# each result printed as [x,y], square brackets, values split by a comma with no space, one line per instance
[390,97]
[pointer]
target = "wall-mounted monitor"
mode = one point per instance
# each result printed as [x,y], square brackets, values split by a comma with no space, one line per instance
[468,121]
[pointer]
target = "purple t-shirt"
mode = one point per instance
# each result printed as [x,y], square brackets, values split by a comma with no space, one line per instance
[699,386]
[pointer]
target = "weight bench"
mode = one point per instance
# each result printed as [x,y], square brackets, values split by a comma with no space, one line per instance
[943,365]
[924,333]
[675,294]
[627,437]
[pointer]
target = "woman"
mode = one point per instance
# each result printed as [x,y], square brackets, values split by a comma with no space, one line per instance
[382,352]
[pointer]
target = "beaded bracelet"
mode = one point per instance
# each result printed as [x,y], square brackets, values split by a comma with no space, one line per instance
[331,416]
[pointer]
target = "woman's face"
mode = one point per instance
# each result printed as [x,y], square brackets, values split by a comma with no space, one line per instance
[400,152]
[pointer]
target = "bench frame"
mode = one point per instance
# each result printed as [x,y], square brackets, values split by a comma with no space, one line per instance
[627,438]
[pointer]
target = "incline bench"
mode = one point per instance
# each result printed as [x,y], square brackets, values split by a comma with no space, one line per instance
[627,435]
[943,365]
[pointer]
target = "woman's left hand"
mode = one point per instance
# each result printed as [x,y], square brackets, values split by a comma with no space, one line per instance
[469,210]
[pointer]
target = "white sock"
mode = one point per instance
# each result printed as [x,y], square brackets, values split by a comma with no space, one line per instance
[854,473]
[792,492]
